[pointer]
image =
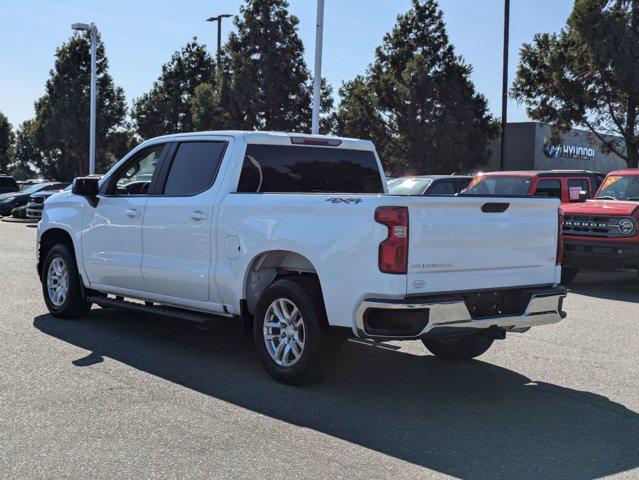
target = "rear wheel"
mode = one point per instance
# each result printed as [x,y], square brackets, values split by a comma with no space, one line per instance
[458,348]
[291,333]
[61,284]
[568,274]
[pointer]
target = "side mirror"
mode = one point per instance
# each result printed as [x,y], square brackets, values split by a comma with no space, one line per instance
[86,186]
[583,195]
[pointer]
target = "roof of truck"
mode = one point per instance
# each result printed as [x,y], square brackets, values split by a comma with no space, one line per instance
[277,138]
[542,173]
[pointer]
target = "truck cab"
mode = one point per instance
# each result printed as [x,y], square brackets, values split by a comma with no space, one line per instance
[602,233]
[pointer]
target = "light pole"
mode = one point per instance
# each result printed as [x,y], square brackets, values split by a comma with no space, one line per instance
[317,74]
[94,46]
[504,87]
[218,19]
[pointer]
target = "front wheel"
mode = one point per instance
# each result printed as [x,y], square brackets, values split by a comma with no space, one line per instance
[458,348]
[61,284]
[291,333]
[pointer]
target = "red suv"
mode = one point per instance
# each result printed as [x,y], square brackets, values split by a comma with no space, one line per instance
[602,233]
[565,185]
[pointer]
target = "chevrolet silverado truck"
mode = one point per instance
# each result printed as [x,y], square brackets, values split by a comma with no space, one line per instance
[602,233]
[297,238]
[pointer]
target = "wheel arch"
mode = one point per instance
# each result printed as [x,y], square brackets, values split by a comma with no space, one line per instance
[51,237]
[270,265]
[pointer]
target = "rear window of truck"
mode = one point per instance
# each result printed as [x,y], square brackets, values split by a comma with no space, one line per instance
[298,169]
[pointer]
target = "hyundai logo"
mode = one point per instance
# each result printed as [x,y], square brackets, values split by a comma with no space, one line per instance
[625,226]
[552,151]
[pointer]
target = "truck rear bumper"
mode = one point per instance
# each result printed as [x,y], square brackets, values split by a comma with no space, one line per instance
[411,319]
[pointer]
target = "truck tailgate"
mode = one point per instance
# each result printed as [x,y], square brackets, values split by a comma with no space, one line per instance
[469,243]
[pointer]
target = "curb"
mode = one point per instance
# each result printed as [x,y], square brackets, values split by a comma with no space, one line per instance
[18,220]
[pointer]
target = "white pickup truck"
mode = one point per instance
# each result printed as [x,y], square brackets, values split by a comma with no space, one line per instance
[297,237]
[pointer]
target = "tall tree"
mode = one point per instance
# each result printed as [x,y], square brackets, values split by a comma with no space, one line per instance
[6,143]
[265,83]
[587,75]
[167,107]
[26,156]
[434,120]
[358,113]
[61,125]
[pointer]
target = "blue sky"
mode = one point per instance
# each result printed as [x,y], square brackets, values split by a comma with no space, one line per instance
[141,35]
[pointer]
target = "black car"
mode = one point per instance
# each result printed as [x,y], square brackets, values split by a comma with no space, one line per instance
[8,184]
[36,202]
[429,185]
[9,201]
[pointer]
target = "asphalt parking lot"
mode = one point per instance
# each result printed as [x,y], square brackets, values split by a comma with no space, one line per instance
[122,395]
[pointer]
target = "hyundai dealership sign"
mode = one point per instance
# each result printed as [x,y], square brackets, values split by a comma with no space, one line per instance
[564,150]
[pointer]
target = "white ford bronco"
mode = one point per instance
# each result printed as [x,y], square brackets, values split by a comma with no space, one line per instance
[297,237]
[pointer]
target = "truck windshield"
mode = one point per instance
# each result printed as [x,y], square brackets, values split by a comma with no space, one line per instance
[619,187]
[499,185]
[408,186]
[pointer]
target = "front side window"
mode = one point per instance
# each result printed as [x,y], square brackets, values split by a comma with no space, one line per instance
[620,187]
[487,185]
[194,167]
[549,189]
[135,178]
[302,169]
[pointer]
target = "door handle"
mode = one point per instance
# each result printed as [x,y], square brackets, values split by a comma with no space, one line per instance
[198,215]
[132,212]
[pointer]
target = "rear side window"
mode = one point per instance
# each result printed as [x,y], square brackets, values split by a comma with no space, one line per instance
[576,185]
[443,187]
[194,168]
[549,188]
[500,185]
[282,168]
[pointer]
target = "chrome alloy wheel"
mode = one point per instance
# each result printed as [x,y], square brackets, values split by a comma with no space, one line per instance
[58,281]
[284,332]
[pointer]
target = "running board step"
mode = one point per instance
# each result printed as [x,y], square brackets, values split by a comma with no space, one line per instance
[195,317]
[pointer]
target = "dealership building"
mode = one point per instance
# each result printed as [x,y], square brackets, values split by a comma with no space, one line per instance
[528,147]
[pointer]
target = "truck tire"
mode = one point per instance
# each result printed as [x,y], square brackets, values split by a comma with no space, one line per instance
[458,348]
[291,333]
[568,274]
[61,284]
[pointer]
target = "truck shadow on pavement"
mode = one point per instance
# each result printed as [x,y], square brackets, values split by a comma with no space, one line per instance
[618,286]
[469,420]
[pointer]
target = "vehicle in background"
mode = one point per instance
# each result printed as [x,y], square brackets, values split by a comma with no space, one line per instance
[602,233]
[8,184]
[297,238]
[565,185]
[24,184]
[428,185]
[35,205]
[9,201]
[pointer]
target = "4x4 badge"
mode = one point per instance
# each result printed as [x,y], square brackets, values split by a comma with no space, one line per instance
[344,200]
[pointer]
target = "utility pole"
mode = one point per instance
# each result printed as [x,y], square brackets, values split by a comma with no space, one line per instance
[218,19]
[317,74]
[504,88]
[94,46]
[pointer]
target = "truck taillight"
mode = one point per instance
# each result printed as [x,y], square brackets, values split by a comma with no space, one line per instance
[560,239]
[393,252]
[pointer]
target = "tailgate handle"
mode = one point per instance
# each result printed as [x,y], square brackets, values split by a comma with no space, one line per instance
[494,207]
